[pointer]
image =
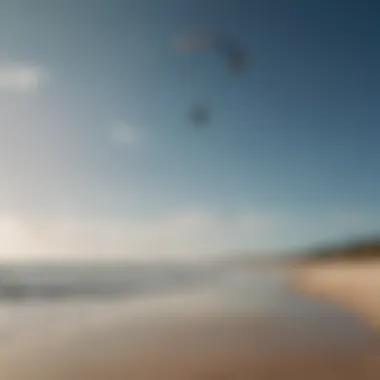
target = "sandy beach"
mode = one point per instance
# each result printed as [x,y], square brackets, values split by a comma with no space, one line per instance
[189,351]
[352,285]
[203,342]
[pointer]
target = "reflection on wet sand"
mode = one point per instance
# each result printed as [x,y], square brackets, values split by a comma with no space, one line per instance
[215,334]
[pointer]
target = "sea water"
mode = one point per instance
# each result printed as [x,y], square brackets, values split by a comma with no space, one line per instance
[38,300]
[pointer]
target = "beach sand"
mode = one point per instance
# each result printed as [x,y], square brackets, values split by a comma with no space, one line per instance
[233,347]
[196,345]
[352,285]
[189,352]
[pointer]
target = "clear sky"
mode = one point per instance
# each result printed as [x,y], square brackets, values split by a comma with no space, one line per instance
[99,157]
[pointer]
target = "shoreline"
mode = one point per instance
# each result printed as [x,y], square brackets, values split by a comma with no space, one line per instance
[206,342]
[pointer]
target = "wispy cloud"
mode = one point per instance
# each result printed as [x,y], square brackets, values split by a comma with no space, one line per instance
[189,233]
[19,77]
[125,135]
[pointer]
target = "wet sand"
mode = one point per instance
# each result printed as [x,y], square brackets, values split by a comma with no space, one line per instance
[244,349]
[194,338]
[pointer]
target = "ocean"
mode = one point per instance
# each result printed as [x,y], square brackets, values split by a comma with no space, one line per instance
[38,300]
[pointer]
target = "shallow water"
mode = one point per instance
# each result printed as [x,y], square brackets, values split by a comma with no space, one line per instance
[161,296]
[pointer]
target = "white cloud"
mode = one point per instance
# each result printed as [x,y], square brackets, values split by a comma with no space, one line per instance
[18,77]
[125,136]
[190,233]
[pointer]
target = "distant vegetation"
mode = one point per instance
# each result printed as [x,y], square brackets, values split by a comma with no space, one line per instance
[353,250]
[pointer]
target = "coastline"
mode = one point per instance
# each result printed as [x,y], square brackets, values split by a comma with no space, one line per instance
[200,338]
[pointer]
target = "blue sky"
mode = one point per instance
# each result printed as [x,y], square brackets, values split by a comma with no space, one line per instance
[96,140]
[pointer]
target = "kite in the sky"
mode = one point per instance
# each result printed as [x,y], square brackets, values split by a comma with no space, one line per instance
[200,115]
[234,56]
